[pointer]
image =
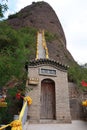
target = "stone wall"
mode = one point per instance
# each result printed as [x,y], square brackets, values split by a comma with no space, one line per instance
[61,93]
[75,97]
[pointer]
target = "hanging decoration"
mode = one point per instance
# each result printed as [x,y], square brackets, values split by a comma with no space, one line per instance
[3,102]
[18,95]
[83,83]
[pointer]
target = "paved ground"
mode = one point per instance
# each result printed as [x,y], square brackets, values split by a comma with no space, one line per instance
[75,125]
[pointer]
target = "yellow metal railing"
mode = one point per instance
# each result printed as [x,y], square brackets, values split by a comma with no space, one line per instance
[37,53]
[44,45]
[17,124]
[84,103]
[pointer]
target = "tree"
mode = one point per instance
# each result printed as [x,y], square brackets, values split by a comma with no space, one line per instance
[3,7]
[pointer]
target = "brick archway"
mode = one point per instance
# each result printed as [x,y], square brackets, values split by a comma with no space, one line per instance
[47,99]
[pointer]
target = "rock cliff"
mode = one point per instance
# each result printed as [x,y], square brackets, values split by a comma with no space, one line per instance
[41,15]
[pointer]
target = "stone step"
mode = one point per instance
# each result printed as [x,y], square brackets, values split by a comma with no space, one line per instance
[48,121]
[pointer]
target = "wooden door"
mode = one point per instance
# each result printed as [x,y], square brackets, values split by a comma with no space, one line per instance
[47,99]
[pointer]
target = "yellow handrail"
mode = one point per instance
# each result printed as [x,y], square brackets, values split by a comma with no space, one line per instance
[44,45]
[37,53]
[22,111]
[17,124]
[84,103]
[3,127]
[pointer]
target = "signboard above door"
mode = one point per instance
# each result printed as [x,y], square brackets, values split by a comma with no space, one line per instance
[51,72]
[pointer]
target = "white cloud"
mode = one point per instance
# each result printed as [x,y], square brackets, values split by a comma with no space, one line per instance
[74,22]
[22,3]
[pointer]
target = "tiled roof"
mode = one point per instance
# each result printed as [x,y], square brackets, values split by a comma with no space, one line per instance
[38,62]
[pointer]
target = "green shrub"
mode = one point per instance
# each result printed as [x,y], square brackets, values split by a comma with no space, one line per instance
[50,37]
[13,16]
[76,74]
[15,49]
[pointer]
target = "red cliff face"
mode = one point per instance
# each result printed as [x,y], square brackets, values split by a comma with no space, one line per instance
[40,15]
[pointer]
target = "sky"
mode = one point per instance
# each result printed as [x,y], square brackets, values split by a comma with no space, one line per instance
[73,17]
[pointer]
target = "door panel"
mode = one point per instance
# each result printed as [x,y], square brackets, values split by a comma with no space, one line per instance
[47,99]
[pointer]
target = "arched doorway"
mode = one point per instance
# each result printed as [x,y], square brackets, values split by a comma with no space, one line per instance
[47,99]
